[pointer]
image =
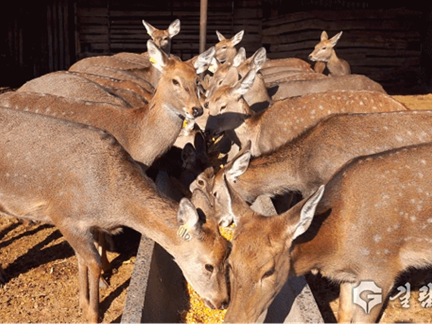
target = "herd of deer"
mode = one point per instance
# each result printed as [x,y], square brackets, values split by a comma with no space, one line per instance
[138,140]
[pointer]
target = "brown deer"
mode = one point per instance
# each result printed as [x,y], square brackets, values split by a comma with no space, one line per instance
[285,119]
[324,52]
[370,223]
[311,159]
[145,133]
[81,180]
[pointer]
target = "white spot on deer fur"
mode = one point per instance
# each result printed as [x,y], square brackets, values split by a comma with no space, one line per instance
[320,107]
[377,238]
[396,226]
[398,138]
[429,220]
[365,251]
[420,175]
[7,175]
[423,162]
[413,218]
[386,252]
[37,111]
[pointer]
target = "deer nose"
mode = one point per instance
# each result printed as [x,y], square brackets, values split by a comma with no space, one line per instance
[225,305]
[197,111]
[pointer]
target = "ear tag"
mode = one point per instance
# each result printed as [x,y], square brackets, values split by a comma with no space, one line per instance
[221,156]
[212,68]
[152,60]
[185,123]
[221,166]
[183,232]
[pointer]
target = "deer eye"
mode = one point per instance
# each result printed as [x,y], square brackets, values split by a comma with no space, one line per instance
[223,107]
[175,82]
[268,273]
[209,268]
[206,105]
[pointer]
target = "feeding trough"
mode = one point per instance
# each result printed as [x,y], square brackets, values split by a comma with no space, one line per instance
[157,291]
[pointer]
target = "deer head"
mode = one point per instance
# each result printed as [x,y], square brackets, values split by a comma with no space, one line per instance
[259,262]
[178,85]
[202,252]
[227,107]
[225,49]
[162,38]
[324,49]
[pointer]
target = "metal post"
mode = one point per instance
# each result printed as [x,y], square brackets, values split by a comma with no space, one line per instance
[203,25]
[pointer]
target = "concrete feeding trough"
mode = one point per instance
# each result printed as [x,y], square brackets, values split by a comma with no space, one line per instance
[157,291]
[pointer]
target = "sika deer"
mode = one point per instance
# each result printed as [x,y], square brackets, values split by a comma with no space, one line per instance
[71,85]
[371,223]
[81,180]
[312,158]
[284,119]
[324,52]
[145,133]
[303,87]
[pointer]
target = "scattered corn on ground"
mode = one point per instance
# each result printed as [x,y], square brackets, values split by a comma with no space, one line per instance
[198,312]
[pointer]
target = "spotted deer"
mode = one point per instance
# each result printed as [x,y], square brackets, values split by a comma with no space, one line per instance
[284,90]
[80,179]
[285,119]
[313,157]
[369,223]
[146,132]
[324,52]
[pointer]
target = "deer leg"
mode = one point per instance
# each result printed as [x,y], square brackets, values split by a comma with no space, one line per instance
[89,270]
[83,284]
[346,306]
[373,313]
[101,247]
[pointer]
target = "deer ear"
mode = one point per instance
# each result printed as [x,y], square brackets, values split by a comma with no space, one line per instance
[244,84]
[187,217]
[324,36]
[307,212]
[231,77]
[335,39]
[203,60]
[259,59]
[150,29]
[237,38]
[220,36]
[238,166]
[157,57]
[174,28]
[240,57]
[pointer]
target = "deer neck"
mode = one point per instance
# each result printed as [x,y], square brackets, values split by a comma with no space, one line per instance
[333,62]
[159,129]
[272,174]
[247,129]
[153,215]
[318,247]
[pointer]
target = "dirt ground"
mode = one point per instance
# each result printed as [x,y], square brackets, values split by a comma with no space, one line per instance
[42,281]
